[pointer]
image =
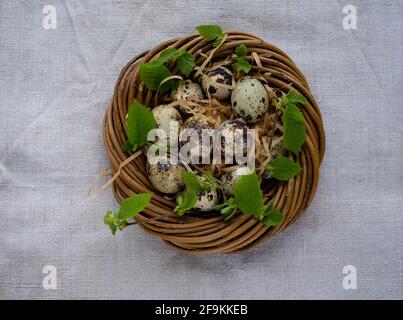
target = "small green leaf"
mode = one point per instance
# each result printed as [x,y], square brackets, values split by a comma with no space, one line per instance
[153,73]
[128,209]
[267,74]
[140,121]
[167,55]
[210,182]
[283,169]
[282,102]
[210,31]
[272,218]
[185,202]
[242,65]
[133,205]
[290,98]
[113,228]
[218,40]
[228,209]
[248,195]
[186,63]
[187,199]
[294,128]
[295,98]
[191,181]
[241,50]
[109,220]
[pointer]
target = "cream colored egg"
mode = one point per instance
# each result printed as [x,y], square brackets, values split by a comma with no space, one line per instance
[188,90]
[217,82]
[249,99]
[166,116]
[165,174]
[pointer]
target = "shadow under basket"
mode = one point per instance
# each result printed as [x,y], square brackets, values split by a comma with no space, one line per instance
[209,233]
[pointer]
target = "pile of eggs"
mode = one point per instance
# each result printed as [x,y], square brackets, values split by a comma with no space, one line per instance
[249,102]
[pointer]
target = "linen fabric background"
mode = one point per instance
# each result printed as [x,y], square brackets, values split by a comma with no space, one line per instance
[54,89]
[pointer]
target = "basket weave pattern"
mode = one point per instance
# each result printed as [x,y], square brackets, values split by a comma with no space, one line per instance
[210,234]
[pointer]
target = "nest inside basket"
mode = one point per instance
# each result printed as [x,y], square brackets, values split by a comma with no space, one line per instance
[208,233]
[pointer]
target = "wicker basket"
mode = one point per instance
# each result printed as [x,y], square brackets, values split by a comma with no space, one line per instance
[210,234]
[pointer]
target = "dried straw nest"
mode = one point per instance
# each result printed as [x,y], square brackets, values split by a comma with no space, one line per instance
[209,233]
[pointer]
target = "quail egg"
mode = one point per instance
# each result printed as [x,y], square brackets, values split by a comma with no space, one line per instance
[218,83]
[188,90]
[230,178]
[165,174]
[164,115]
[249,99]
[235,130]
[191,138]
[276,148]
[206,200]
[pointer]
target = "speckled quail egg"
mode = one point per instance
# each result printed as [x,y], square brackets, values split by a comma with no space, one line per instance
[249,99]
[164,115]
[230,178]
[207,200]
[218,83]
[191,135]
[165,174]
[235,129]
[276,148]
[188,90]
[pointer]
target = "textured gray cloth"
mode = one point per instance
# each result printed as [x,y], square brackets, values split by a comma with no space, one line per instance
[54,89]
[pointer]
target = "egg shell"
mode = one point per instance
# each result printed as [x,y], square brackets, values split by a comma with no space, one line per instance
[206,200]
[163,116]
[276,148]
[188,90]
[237,129]
[165,175]
[216,81]
[193,128]
[249,99]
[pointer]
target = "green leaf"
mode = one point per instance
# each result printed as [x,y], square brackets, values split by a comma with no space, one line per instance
[241,50]
[210,182]
[272,218]
[140,121]
[186,63]
[218,40]
[283,169]
[167,55]
[113,228]
[153,73]
[248,195]
[187,199]
[295,98]
[110,220]
[191,181]
[294,128]
[282,102]
[242,65]
[290,98]
[128,209]
[185,202]
[228,209]
[133,205]
[210,31]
